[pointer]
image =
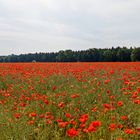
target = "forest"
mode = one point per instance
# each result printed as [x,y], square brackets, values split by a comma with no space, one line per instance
[118,54]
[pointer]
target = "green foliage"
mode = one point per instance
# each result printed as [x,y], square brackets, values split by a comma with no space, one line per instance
[135,55]
[91,55]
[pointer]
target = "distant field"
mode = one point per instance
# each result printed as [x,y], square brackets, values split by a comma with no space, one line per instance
[62,101]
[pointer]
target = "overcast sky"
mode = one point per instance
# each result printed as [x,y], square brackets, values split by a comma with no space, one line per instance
[53,25]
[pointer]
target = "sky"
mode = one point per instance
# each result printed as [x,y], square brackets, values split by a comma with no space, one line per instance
[29,26]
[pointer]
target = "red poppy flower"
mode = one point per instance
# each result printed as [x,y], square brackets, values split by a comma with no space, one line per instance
[33,114]
[68,115]
[123,118]
[30,122]
[129,131]
[61,104]
[72,132]
[112,126]
[63,124]
[96,123]
[120,103]
[107,106]
[17,115]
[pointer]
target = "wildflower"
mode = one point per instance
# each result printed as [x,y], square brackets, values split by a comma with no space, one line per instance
[112,118]
[106,81]
[41,116]
[138,89]
[46,102]
[135,95]
[61,104]
[72,132]
[120,103]
[93,125]
[128,131]
[51,117]
[138,128]
[75,95]
[48,121]
[96,123]
[123,118]
[33,114]
[82,125]
[137,101]
[106,106]
[119,139]
[120,126]
[112,127]
[31,122]
[48,113]
[27,98]
[85,130]
[63,124]
[72,122]
[59,120]
[22,104]
[54,88]
[17,115]
[94,109]
[91,128]
[68,115]
[83,118]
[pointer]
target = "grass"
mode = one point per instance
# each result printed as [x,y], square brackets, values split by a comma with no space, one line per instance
[79,101]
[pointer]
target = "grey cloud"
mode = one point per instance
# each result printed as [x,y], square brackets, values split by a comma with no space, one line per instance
[52,25]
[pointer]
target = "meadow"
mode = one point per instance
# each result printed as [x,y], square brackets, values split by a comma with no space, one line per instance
[70,101]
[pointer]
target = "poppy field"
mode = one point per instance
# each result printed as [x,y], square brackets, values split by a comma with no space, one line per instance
[63,101]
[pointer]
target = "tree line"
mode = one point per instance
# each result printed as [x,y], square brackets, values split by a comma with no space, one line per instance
[119,54]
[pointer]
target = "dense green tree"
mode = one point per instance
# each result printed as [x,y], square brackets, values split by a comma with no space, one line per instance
[123,54]
[135,55]
[107,55]
[91,55]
